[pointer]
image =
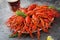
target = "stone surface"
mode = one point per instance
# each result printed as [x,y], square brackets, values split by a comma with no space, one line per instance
[5,13]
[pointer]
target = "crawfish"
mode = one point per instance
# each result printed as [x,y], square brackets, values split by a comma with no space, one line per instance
[23,10]
[28,20]
[31,7]
[35,20]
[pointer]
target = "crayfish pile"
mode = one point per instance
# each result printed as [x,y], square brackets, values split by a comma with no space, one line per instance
[35,18]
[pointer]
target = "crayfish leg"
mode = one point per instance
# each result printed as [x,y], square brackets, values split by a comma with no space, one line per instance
[31,34]
[42,22]
[38,34]
[19,34]
[45,30]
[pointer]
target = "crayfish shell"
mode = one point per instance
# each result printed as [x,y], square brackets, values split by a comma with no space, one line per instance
[40,29]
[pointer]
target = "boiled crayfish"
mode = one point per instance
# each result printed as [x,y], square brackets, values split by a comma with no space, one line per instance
[32,19]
